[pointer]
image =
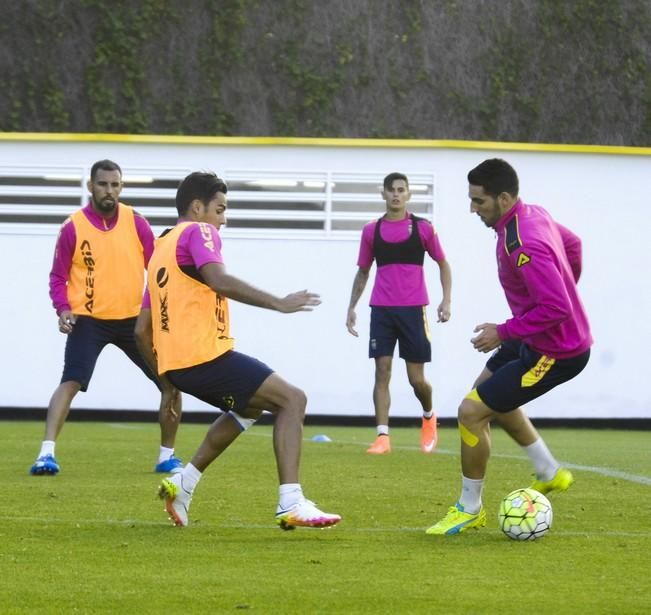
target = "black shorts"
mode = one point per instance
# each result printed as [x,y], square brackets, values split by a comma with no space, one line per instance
[87,340]
[520,374]
[227,382]
[406,325]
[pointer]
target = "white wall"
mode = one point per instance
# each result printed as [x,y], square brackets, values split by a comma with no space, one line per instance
[598,195]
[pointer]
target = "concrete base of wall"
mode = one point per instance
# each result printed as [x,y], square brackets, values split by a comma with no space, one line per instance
[145,416]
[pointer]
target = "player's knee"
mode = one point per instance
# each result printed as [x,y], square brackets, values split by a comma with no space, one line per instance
[296,400]
[468,420]
[382,374]
[70,388]
[466,413]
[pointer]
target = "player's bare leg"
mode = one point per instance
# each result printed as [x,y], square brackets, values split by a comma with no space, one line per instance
[169,419]
[381,403]
[59,408]
[549,475]
[221,434]
[57,413]
[178,489]
[474,427]
[423,391]
[518,425]
[288,403]
[381,393]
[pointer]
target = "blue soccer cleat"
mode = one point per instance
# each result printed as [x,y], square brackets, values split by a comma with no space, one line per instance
[45,465]
[169,466]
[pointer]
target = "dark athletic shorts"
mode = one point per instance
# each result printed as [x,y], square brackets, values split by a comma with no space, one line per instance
[408,326]
[86,342]
[227,382]
[520,374]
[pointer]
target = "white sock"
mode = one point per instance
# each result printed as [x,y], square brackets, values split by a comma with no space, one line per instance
[165,453]
[47,448]
[190,477]
[470,497]
[428,415]
[382,430]
[289,494]
[543,461]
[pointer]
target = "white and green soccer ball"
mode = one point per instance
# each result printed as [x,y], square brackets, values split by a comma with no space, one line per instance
[525,514]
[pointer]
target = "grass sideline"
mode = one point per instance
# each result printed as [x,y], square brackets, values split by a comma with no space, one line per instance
[95,538]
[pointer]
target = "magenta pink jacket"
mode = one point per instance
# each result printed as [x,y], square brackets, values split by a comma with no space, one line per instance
[539,264]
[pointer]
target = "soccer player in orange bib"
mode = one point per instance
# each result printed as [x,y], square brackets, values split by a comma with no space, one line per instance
[96,287]
[184,332]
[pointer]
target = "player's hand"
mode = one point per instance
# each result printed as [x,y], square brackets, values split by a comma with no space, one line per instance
[351,321]
[443,311]
[487,339]
[302,301]
[66,321]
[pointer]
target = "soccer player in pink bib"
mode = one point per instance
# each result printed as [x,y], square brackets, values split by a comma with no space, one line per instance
[398,242]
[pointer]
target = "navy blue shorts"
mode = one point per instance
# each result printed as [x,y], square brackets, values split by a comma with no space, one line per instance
[87,340]
[406,325]
[227,382]
[520,374]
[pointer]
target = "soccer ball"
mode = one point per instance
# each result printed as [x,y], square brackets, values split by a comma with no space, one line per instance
[525,514]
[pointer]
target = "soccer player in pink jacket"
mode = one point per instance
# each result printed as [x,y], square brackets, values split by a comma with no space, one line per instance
[546,341]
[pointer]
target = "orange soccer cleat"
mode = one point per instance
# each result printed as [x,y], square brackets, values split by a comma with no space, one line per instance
[428,435]
[381,446]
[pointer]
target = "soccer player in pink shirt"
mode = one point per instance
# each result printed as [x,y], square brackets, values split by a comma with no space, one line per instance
[183,332]
[96,286]
[546,341]
[398,242]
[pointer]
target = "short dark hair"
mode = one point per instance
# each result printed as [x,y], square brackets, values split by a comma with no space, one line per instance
[495,176]
[198,185]
[391,177]
[104,165]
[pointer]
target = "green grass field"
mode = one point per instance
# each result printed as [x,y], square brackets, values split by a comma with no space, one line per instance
[95,539]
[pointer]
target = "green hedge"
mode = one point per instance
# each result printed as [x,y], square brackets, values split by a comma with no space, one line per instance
[563,71]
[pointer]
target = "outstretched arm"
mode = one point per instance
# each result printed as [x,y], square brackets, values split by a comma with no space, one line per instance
[215,276]
[359,284]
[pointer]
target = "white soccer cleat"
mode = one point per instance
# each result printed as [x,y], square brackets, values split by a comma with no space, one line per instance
[304,514]
[177,499]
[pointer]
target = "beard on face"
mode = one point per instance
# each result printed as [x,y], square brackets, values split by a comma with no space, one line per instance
[106,205]
[491,217]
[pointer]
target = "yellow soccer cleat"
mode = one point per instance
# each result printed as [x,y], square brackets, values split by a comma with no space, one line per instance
[457,521]
[562,481]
